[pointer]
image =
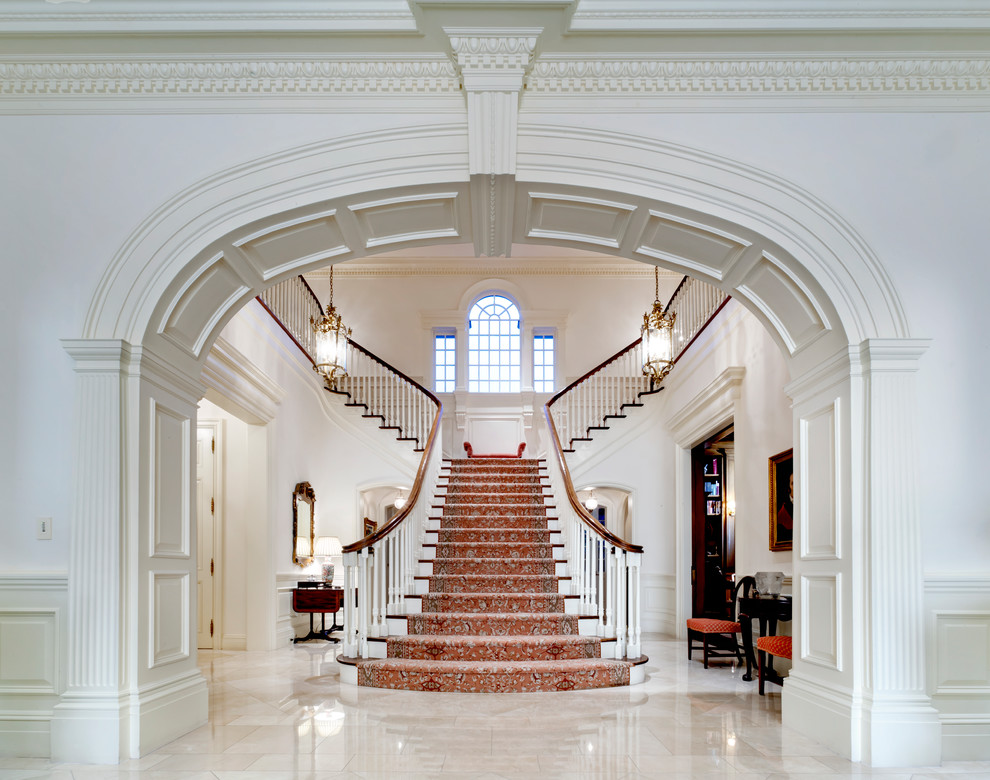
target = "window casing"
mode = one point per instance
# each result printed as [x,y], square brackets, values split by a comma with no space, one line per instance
[494,346]
[444,362]
[543,362]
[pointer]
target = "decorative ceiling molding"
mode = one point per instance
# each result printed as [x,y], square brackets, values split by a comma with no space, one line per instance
[810,15]
[471,267]
[317,76]
[748,76]
[219,16]
[417,82]
[486,50]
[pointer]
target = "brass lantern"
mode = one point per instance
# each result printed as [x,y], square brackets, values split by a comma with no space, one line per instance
[331,342]
[658,337]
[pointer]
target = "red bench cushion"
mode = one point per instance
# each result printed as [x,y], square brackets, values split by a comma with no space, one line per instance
[708,626]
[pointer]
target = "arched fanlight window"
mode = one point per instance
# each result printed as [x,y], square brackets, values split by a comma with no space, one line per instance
[494,346]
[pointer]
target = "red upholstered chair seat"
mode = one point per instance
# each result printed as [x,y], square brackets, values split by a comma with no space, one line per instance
[779,646]
[710,626]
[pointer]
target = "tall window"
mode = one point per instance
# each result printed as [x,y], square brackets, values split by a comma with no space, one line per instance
[543,363]
[494,346]
[444,361]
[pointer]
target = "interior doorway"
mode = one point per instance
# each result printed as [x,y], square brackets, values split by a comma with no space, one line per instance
[206,506]
[713,540]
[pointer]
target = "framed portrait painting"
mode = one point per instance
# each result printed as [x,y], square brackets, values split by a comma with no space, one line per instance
[782,501]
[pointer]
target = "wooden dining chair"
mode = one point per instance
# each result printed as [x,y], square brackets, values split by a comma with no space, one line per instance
[708,629]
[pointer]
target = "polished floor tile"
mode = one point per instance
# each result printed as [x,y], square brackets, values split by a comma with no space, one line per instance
[285,715]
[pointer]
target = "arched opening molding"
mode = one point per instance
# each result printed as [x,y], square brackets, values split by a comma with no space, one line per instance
[785,255]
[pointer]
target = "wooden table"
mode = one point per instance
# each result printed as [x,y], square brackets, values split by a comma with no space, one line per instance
[320,599]
[768,611]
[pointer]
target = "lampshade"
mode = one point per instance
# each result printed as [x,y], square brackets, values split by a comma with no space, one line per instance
[327,546]
[400,501]
[591,503]
[302,547]
[658,338]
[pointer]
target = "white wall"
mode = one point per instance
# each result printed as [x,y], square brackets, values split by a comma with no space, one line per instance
[312,438]
[641,451]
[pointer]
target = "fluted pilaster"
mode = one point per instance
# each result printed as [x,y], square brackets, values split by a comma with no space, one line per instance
[895,563]
[95,554]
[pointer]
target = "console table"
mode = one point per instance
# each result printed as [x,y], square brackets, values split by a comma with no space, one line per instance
[768,611]
[319,599]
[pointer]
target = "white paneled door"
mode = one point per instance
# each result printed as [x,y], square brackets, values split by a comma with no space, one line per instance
[205,513]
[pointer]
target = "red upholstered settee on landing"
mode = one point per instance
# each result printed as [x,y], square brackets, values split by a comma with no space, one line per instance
[472,454]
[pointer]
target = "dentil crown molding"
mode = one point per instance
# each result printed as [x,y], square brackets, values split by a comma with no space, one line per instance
[748,76]
[416,82]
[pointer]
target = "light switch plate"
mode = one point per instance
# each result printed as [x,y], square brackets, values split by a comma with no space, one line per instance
[44,528]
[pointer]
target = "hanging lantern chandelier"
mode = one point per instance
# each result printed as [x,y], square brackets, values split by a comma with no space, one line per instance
[331,342]
[658,337]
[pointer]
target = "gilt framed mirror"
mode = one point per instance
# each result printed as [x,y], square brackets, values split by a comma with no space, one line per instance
[303,524]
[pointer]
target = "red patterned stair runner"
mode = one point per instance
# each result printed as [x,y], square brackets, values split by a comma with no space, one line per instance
[494,618]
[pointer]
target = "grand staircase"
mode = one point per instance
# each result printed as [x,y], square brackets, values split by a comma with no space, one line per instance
[487,586]
[495,617]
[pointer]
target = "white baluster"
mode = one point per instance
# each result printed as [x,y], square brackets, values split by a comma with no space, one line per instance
[364,602]
[610,593]
[621,604]
[350,622]
[636,594]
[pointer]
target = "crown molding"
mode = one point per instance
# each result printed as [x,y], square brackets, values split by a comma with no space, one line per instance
[417,82]
[222,76]
[472,268]
[822,78]
[639,16]
[342,17]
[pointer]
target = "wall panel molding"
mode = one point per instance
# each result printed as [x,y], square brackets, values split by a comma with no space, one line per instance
[957,647]
[33,608]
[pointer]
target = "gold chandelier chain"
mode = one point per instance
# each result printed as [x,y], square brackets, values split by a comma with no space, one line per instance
[331,287]
[656,283]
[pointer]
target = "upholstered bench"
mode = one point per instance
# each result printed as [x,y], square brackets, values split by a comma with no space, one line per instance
[707,627]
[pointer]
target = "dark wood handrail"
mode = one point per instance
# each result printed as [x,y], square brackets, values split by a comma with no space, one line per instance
[283,326]
[595,370]
[315,299]
[394,370]
[572,496]
[670,301]
[431,440]
[417,487]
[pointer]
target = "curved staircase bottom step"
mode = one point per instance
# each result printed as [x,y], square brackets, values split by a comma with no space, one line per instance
[492,676]
[494,648]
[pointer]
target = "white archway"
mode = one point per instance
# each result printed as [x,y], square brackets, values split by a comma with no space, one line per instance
[789,258]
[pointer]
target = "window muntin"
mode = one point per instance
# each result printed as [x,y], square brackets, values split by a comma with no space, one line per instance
[444,362]
[494,346]
[543,363]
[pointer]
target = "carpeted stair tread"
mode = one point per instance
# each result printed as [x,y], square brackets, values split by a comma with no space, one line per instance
[493,676]
[496,535]
[494,603]
[535,521]
[479,624]
[493,550]
[485,583]
[493,566]
[494,648]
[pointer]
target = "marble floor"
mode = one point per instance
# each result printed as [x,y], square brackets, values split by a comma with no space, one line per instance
[284,715]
